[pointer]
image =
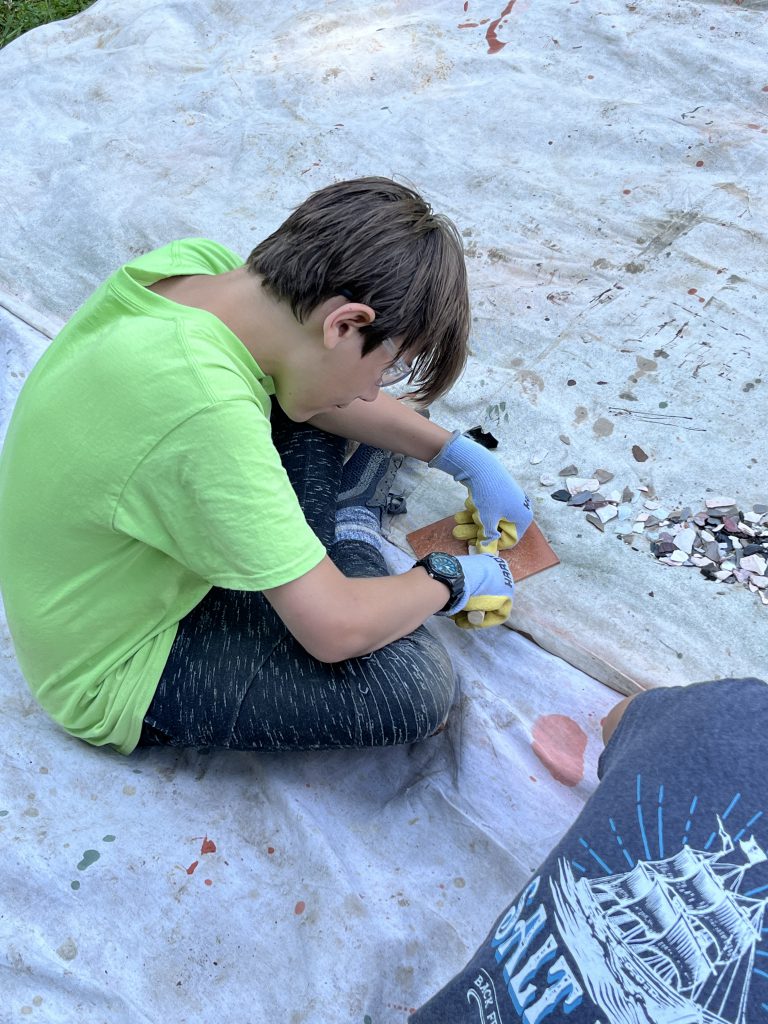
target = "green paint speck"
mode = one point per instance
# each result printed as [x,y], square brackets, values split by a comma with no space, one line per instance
[75,885]
[89,857]
[3,814]
[367,1019]
[108,839]
[663,405]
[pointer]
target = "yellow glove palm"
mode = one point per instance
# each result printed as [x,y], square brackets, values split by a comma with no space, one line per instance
[470,528]
[484,610]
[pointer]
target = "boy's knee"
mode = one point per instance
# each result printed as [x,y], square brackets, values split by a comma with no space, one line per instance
[416,676]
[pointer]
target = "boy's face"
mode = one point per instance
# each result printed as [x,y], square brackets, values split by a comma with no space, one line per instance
[334,379]
[327,370]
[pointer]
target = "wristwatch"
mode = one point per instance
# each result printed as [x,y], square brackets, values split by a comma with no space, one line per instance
[445,569]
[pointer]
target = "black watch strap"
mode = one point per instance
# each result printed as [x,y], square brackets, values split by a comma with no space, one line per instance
[445,569]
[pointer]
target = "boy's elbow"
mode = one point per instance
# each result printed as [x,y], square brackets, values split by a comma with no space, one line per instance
[331,646]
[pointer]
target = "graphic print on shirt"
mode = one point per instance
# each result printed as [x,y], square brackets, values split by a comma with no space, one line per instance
[673,938]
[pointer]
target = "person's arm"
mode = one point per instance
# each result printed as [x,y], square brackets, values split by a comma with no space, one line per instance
[498,509]
[335,617]
[386,423]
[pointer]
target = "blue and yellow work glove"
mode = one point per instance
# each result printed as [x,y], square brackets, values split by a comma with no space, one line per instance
[488,592]
[498,511]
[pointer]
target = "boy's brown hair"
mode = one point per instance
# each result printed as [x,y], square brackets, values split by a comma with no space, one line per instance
[379,242]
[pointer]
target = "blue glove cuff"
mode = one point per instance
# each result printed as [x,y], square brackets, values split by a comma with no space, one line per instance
[459,456]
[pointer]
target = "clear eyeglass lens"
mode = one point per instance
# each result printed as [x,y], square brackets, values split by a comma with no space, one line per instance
[398,370]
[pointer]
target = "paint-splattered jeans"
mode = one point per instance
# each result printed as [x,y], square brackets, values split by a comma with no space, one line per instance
[237,678]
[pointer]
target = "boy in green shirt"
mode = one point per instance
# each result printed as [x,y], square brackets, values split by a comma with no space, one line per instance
[184,556]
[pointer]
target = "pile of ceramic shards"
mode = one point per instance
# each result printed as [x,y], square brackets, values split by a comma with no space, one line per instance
[726,544]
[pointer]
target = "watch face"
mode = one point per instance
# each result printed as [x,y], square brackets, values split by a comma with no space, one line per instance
[444,564]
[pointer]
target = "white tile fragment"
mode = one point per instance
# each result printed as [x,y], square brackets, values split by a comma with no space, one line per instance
[684,540]
[755,563]
[577,484]
[537,458]
[606,513]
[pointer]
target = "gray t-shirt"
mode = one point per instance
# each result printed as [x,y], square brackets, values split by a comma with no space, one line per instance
[652,909]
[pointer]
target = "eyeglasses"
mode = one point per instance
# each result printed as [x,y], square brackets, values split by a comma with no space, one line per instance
[397,370]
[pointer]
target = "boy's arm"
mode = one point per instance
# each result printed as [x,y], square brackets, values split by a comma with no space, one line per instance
[335,617]
[499,511]
[386,423]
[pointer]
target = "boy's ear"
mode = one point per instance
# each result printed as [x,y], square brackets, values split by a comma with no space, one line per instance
[344,320]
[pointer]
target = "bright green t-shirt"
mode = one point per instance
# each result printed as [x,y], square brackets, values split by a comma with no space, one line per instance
[137,472]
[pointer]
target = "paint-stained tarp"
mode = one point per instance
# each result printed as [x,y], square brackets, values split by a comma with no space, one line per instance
[605,166]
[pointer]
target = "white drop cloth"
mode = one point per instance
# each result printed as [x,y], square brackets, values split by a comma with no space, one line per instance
[606,167]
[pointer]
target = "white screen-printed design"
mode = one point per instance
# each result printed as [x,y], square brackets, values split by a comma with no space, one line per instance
[672,940]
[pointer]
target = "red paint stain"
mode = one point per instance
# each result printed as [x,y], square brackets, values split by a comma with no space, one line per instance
[300,907]
[702,299]
[533,778]
[494,44]
[466,6]
[699,163]
[208,846]
[627,191]
[559,743]
[209,881]
[270,850]
[692,291]
[765,88]
[755,127]
[192,866]
[591,78]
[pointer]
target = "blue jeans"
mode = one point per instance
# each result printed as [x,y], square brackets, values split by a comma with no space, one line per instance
[236,678]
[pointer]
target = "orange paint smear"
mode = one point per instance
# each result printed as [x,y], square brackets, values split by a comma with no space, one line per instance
[559,743]
[494,45]
[192,866]
[300,907]
[208,846]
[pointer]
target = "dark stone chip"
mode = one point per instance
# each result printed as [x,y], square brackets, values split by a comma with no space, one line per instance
[483,437]
[581,498]
[561,495]
[755,549]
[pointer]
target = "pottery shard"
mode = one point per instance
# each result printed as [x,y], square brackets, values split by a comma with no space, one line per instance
[755,563]
[592,518]
[603,475]
[577,484]
[627,494]
[638,454]
[720,502]
[685,540]
[570,470]
[712,551]
[606,513]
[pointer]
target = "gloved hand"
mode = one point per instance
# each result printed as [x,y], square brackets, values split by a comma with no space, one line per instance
[488,588]
[498,510]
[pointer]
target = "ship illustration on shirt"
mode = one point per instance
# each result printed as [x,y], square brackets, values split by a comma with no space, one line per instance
[671,941]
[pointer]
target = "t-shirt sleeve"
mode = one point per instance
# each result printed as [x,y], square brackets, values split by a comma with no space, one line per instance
[213,495]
